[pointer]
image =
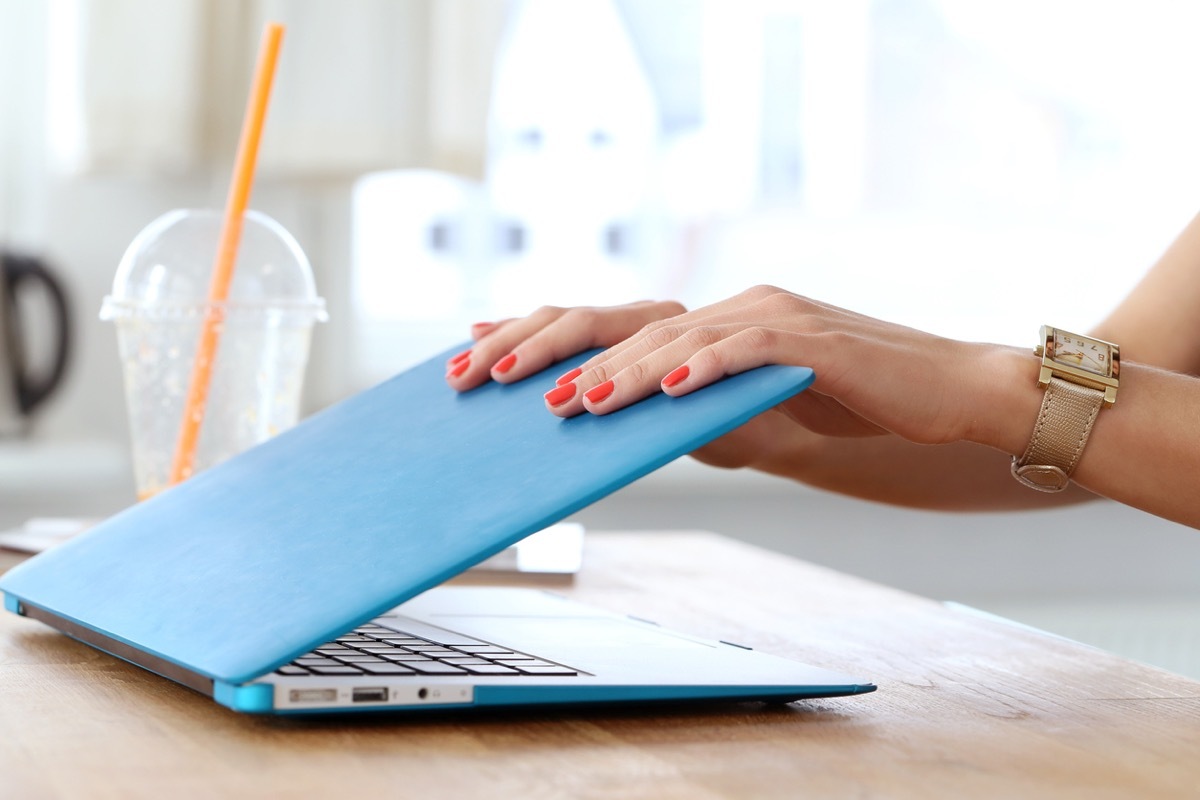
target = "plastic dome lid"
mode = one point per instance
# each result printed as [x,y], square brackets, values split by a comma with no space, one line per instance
[167,268]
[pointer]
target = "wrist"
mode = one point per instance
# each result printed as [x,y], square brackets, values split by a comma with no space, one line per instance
[1008,398]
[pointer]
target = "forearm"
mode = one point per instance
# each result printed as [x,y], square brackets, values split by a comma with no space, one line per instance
[963,476]
[1157,322]
[1144,451]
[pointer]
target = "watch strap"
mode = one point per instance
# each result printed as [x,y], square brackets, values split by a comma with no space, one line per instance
[1063,425]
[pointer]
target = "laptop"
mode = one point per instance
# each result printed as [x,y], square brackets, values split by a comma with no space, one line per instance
[303,575]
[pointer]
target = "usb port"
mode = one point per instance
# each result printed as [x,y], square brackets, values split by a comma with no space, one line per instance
[371,694]
[312,695]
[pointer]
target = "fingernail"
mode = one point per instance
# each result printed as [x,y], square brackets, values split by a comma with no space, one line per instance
[463,355]
[676,375]
[459,368]
[505,364]
[570,376]
[598,393]
[556,397]
[483,325]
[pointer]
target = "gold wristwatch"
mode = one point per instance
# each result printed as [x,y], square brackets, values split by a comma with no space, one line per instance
[1080,374]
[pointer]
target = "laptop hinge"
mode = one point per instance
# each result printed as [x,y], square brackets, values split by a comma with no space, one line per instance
[119,649]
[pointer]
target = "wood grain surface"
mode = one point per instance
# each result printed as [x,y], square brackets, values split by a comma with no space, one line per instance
[967,707]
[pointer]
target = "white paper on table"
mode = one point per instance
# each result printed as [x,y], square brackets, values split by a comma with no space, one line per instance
[557,550]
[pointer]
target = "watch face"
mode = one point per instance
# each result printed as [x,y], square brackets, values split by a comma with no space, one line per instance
[1081,352]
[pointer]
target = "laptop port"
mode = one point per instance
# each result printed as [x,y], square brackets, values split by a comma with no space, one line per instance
[369,694]
[312,695]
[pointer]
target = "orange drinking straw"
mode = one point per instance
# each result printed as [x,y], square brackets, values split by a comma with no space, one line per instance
[231,234]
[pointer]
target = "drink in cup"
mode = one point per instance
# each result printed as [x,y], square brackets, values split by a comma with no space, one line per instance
[158,303]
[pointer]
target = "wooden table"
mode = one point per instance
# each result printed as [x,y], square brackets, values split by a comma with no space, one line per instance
[967,707]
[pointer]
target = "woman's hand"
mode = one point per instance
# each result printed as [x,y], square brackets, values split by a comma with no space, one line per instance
[872,378]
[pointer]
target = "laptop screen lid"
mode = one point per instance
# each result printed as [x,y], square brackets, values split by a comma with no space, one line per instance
[359,508]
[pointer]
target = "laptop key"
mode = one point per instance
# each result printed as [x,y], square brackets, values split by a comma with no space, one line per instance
[360,659]
[528,661]
[412,628]
[434,668]
[291,669]
[405,658]
[554,669]
[312,661]
[340,669]
[490,669]
[489,650]
[387,668]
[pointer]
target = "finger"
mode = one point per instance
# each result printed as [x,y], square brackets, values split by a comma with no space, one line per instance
[677,338]
[566,398]
[481,329]
[473,367]
[638,378]
[478,331]
[657,344]
[756,346]
[750,304]
[652,335]
[576,330]
[495,354]
[745,349]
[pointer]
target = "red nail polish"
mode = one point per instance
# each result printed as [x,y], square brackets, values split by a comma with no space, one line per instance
[599,393]
[459,368]
[560,395]
[676,376]
[505,364]
[464,354]
[481,325]
[570,376]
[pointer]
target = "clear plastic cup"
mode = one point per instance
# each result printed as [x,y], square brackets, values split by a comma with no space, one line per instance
[158,303]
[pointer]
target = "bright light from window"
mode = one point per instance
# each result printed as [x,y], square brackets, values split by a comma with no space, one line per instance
[956,160]
[946,164]
[63,104]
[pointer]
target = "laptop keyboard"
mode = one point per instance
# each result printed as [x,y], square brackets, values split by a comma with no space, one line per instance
[419,649]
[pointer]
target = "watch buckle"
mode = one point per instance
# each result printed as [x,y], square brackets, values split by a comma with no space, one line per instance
[1042,477]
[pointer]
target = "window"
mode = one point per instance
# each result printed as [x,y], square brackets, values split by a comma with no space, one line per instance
[970,168]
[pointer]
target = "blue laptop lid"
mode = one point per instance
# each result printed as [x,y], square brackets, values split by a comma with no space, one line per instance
[358,508]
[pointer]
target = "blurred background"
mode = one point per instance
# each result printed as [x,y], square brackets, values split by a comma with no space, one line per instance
[971,168]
